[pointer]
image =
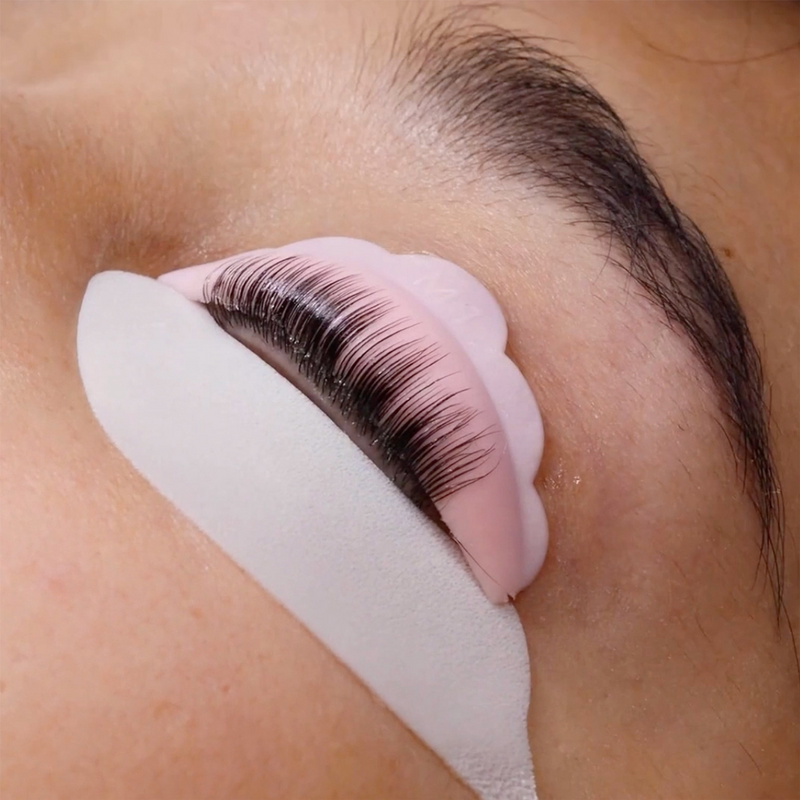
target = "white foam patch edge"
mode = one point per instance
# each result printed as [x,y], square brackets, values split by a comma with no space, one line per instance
[266,475]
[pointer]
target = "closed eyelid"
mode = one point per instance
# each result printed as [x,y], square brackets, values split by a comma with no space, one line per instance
[400,383]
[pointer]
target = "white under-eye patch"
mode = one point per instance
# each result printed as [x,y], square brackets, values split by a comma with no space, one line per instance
[272,480]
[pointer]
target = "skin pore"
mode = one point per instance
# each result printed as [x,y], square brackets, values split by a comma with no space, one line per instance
[137,660]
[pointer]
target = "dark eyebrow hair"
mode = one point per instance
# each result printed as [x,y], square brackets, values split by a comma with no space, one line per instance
[508,104]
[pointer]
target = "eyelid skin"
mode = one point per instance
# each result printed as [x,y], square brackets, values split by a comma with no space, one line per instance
[455,424]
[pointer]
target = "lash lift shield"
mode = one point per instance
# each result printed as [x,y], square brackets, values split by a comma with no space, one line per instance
[406,354]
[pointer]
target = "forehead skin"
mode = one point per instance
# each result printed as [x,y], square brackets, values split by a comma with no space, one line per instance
[146,137]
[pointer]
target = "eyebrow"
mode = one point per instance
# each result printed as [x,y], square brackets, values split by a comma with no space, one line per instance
[514,107]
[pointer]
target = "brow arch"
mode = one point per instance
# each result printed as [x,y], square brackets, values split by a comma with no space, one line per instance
[506,103]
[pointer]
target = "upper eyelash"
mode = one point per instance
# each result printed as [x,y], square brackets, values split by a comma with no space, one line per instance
[382,387]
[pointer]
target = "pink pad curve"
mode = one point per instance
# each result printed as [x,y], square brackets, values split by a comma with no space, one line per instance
[497,518]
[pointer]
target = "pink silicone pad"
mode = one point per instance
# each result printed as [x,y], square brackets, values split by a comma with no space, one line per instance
[497,519]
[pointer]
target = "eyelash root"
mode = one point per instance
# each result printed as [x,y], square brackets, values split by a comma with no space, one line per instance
[380,378]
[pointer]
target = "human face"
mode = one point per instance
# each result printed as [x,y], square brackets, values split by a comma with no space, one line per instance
[149,136]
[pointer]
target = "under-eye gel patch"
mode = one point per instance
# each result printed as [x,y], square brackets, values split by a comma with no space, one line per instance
[268,471]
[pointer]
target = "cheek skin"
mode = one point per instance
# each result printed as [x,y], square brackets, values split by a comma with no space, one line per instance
[167,672]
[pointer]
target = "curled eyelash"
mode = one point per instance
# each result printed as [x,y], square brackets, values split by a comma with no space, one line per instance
[406,354]
[376,372]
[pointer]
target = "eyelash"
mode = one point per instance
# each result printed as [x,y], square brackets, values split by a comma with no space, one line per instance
[334,332]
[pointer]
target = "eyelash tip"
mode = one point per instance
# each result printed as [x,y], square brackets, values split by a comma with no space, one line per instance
[190,281]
